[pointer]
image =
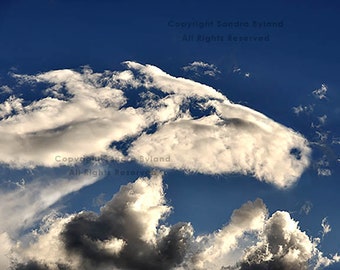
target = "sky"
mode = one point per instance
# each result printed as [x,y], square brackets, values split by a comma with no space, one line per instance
[169,135]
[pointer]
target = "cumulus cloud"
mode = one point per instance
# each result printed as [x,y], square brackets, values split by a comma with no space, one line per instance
[126,234]
[130,232]
[283,246]
[89,114]
[216,249]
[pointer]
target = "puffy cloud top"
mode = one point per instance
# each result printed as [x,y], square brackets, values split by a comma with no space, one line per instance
[130,232]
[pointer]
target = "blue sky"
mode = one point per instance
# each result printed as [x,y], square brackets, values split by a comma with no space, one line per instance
[283,78]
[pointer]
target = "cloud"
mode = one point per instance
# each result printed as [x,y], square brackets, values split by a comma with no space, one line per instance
[322,119]
[308,109]
[326,228]
[83,125]
[99,200]
[44,250]
[306,207]
[126,234]
[216,249]
[282,246]
[11,106]
[320,93]
[131,232]
[324,172]
[237,70]
[235,139]
[5,89]
[320,136]
[199,68]
[5,250]
[22,207]
[89,114]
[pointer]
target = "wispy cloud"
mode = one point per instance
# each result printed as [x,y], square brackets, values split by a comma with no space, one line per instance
[5,89]
[306,207]
[326,228]
[320,93]
[238,70]
[201,68]
[31,201]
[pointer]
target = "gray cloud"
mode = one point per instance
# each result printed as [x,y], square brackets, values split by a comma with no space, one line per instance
[119,219]
[33,265]
[130,233]
[283,246]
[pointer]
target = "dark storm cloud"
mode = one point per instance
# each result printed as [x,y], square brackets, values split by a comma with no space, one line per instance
[119,220]
[33,265]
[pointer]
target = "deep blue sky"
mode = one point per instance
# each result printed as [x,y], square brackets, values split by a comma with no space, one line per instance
[38,36]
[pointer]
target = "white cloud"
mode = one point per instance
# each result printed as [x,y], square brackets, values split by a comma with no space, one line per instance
[322,119]
[306,109]
[5,89]
[83,125]
[322,165]
[45,246]
[320,93]
[5,250]
[282,246]
[218,247]
[130,233]
[306,207]
[234,140]
[88,111]
[324,172]
[11,106]
[336,140]
[202,68]
[321,136]
[22,207]
[151,76]
[326,228]
[236,69]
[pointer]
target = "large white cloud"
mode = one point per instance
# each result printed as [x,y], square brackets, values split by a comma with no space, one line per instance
[238,140]
[85,112]
[131,232]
